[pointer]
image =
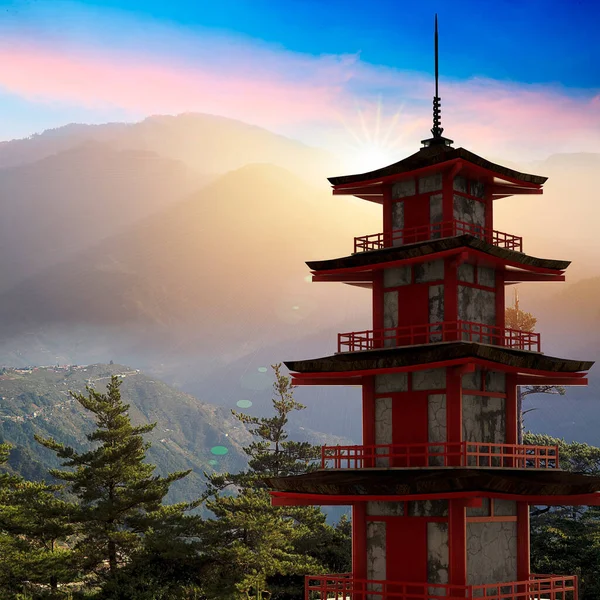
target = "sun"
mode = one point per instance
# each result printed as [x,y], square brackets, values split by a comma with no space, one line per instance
[375,137]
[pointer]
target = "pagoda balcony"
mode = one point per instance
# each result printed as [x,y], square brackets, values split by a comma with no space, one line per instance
[457,454]
[411,235]
[346,587]
[446,331]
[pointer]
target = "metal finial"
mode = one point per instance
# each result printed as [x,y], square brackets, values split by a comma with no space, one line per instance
[437,128]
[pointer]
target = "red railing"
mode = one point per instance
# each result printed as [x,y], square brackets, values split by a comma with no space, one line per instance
[345,587]
[446,331]
[411,235]
[462,454]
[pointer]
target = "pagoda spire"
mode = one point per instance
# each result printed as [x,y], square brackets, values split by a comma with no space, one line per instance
[437,128]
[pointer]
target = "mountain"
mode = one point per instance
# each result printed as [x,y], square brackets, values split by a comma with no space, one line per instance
[64,190]
[225,266]
[36,401]
[209,144]
[205,290]
[54,208]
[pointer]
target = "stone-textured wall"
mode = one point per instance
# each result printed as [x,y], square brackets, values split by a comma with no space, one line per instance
[397,276]
[390,311]
[385,509]
[469,211]
[429,271]
[436,309]
[430,183]
[393,382]
[403,189]
[491,552]
[429,379]
[437,553]
[398,220]
[495,381]
[436,214]
[383,428]
[476,305]
[484,419]
[436,411]
[376,556]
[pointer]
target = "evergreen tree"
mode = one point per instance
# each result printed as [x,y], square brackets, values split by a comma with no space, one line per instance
[117,493]
[261,550]
[35,526]
[566,539]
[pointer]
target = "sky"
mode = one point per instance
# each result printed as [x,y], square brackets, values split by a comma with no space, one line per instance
[518,78]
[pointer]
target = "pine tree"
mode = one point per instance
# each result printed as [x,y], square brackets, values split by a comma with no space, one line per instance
[118,494]
[35,526]
[261,550]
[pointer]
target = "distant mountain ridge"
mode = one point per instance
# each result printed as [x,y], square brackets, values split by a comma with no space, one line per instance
[190,434]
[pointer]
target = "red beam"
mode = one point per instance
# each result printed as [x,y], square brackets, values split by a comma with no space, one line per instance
[340,381]
[524,380]
[350,277]
[512,276]
[512,190]
[297,499]
[367,190]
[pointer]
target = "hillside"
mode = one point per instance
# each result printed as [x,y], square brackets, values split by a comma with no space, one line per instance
[189,434]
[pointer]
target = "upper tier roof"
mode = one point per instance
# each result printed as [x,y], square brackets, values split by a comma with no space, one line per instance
[433,155]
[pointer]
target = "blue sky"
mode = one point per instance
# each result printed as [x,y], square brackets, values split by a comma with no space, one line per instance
[321,71]
[523,40]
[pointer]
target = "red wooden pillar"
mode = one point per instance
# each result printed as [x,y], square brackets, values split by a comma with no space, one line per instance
[387,215]
[512,421]
[378,304]
[368,418]
[359,540]
[523,534]
[457,542]
[450,298]
[454,426]
[500,304]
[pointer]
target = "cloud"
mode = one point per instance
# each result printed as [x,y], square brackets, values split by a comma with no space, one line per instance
[333,100]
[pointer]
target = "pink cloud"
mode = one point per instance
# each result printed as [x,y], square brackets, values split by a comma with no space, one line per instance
[312,97]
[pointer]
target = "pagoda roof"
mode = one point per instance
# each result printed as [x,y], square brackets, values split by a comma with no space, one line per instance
[431,481]
[436,155]
[382,256]
[431,355]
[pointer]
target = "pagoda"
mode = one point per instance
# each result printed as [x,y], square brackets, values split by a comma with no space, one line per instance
[440,487]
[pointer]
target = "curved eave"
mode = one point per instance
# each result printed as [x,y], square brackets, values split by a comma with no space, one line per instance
[427,356]
[433,156]
[432,249]
[543,486]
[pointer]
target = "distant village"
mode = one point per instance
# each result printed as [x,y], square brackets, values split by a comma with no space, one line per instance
[6,372]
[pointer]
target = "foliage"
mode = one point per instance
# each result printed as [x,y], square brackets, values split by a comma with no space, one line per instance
[566,539]
[34,527]
[118,495]
[260,550]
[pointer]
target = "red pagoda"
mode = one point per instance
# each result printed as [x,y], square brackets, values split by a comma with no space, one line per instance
[440,488]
